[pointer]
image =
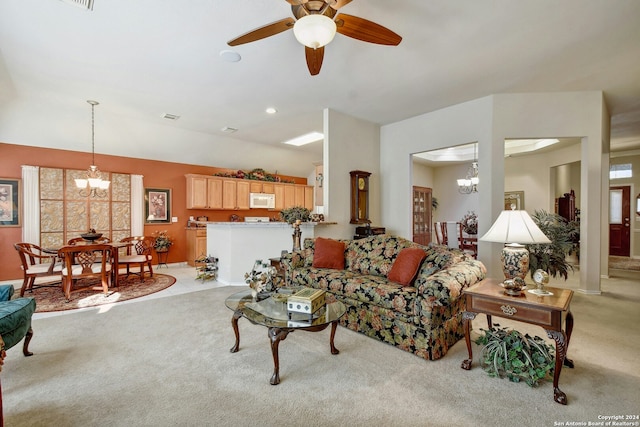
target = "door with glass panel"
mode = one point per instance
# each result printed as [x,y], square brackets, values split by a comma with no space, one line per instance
[619,220]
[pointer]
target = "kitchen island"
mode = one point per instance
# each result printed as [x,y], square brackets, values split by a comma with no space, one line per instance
[237,245]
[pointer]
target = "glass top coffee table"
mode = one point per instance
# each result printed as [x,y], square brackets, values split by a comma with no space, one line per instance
[273,315]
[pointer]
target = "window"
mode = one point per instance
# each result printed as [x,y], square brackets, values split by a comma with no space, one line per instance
[620,171]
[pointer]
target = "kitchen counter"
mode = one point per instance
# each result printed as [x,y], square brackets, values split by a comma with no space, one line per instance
[237,245]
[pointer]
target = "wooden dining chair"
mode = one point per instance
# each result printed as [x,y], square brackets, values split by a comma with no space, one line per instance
[440,228]
[36,263]
[85,262]
[138,254]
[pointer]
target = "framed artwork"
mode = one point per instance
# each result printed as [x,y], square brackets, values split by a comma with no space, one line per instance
[10,214]
[515,198]
[157,203]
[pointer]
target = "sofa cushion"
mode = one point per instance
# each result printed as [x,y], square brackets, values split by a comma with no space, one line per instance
[405,268]
[328,253]
[371,289]
[374,255]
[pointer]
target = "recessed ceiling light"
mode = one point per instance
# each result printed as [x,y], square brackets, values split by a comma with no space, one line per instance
[305,139]
[230,56]
[271,110]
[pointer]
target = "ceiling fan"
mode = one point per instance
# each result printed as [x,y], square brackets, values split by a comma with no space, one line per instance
[315,23]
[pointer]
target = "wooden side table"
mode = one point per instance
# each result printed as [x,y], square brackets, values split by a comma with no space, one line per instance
[549,312]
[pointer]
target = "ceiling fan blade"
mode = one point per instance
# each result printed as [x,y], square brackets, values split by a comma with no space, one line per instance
[337,4]
[296,2]
[314,59]
[365,30]
[263,32]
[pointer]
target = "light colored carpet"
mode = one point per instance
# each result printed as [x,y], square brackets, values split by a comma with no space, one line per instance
[166,362]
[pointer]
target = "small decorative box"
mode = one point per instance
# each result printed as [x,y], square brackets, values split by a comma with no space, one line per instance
[306,301]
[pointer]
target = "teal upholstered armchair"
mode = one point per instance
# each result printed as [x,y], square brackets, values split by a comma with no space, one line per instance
[15,319]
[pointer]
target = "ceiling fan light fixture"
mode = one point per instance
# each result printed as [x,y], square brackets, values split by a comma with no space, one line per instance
[314,31]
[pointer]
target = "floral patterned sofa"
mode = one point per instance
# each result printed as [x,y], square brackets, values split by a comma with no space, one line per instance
[423,317]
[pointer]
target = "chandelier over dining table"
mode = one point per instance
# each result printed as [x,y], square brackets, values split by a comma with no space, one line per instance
[93,184]
[469,184]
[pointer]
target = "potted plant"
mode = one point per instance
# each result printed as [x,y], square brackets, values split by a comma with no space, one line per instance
[552,257]
[509,353]
[163,241]
[295,213]
[470,223]
[294,216]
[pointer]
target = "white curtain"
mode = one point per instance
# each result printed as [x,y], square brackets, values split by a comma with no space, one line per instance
[137,205]
[31,204]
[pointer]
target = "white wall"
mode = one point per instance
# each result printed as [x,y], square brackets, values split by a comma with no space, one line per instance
[490,121]
[569,114]
[350,144]
[461,124]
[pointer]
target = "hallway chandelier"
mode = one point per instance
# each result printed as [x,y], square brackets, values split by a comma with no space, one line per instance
[93,184]
[469,184]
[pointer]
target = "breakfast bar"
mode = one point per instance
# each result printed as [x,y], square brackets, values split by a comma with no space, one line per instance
[238,245]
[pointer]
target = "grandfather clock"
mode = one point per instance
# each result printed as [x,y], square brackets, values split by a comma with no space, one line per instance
[360,197]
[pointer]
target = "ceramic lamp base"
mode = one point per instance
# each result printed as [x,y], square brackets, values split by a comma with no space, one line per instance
[515,261]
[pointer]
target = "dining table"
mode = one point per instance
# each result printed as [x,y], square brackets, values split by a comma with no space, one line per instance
[116,246]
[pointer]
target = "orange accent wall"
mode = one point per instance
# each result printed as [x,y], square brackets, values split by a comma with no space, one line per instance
[156,175]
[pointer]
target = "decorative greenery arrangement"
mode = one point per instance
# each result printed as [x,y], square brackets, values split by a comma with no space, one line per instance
[509,353]
[552,257]
[254,174]
[434,203]
[294,213]
[163,241]
[261,277]
[470,223]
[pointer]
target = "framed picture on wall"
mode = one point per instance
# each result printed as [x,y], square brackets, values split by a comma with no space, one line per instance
[157,203]
[10,202]
[515,198]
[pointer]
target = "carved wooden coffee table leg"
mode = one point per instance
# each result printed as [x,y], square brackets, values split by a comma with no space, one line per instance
[234,323]
[467,317]
[334,326]
[276,335]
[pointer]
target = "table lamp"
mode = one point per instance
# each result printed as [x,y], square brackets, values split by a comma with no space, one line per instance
[515,228]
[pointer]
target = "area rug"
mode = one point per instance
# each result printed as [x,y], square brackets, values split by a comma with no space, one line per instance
[51,298]
[624,263]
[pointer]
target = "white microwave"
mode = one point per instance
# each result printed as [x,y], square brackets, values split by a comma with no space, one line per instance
[262,200]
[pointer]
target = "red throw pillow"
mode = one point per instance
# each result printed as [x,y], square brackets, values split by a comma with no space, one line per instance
[328,253]
[405,268]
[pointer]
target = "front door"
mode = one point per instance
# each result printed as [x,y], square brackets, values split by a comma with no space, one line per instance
[619,217]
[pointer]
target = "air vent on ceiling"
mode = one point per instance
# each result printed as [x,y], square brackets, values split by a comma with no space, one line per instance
[82,4]
[170,116]
[228,129]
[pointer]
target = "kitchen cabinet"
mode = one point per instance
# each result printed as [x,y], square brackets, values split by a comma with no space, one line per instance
[222,193]
[204,192]
[268,188]
[256,187]
[196,244]
[242,195]
[235,194]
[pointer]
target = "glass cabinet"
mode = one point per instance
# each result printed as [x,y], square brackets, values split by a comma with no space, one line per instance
[421,215]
